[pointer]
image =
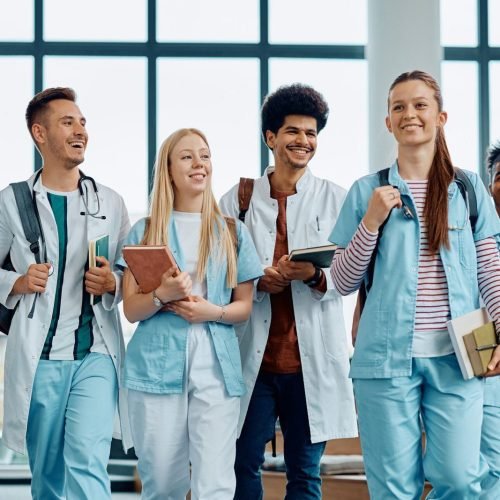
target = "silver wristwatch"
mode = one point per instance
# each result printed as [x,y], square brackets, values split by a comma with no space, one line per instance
[157,301]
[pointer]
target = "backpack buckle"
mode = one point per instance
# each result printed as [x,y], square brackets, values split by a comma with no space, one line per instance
[35,247]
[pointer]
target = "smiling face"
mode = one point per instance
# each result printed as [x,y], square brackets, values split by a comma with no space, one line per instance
[61,135]
[295,142]
[414,114]
[190,166]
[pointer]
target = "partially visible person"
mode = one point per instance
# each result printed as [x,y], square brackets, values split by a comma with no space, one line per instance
[490,438]
[63,355]
[183,367]
[294,349]
[429,267]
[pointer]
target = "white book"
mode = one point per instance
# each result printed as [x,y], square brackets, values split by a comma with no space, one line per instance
[461,326]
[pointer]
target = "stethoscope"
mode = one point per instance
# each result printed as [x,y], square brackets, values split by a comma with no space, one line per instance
[85,196]
[84,193]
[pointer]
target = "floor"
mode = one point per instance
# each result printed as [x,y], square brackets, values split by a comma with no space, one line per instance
[22,492]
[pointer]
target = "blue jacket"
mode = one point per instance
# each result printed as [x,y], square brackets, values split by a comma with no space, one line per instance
[156,354]
[385,334]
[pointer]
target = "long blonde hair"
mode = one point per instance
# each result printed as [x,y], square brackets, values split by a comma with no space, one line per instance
[215,237]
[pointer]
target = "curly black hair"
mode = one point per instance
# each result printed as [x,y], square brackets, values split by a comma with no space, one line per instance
[295,99]
[493,157]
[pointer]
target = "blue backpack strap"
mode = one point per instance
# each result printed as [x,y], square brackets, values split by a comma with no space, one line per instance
[469,195]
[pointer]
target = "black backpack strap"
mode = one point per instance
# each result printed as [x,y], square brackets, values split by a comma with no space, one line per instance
[30,222]
[29,218]
[383,179]
[245,191]
[469,194]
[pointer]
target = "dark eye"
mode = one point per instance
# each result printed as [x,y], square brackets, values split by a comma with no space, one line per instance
[186,157]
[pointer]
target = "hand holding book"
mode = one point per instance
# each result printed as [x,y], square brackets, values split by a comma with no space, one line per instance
[321,256]
[154,266]
[99,279]
[494,364]
[475,344]
[174,285]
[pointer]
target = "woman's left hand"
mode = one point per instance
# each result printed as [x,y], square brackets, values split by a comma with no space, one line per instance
[494,364]
[195,310]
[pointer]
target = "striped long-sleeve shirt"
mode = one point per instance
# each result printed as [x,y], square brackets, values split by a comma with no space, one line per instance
[432,307]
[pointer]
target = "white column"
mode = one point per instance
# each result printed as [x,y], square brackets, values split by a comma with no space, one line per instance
[403,35]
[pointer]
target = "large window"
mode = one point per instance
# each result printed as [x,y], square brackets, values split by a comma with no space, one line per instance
[471,87]
[166,65]
[209,64]
[143,68]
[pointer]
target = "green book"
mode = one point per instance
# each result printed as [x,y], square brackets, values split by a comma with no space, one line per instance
[480,344]
[319,256]
[98,248]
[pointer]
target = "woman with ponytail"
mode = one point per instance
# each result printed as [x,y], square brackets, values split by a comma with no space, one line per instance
[182,366]
[429,266]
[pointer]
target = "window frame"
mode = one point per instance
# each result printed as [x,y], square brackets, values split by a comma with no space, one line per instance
[263,51]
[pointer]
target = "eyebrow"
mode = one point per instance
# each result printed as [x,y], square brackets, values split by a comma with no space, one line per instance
[192,150]
[72,117]
[412,99]
[292,128]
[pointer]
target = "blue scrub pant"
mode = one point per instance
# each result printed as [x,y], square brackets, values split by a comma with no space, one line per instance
[70,425]
[283,396]
[391,413]
[490,440]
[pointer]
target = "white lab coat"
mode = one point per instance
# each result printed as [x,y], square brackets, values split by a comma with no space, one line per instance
[27,336]
[324,353]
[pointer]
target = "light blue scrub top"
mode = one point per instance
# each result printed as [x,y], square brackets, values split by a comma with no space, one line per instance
[156,354]
[385,334]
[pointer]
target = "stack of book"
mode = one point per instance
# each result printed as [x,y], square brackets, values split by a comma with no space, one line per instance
[474,339]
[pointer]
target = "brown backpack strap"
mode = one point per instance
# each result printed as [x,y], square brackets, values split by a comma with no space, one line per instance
[245,191]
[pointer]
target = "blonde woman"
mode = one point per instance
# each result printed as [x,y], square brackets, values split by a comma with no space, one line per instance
[182,366]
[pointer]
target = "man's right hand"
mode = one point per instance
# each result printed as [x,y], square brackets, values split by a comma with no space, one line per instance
[34,281]
[272,281]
